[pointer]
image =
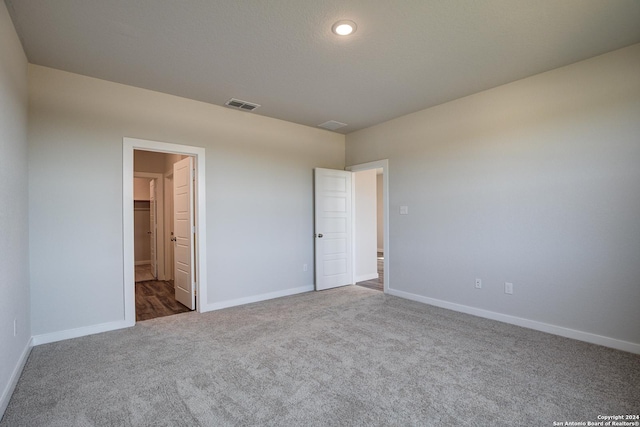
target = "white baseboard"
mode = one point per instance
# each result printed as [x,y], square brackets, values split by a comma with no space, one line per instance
[256,298]
[79,332]
[364,277]
[143,262]
[525,323]
[15,376]
[112,326]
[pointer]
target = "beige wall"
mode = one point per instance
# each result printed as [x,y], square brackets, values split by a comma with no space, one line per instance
[535,183]
[170,159]
[259,193]
[149,161]
[141,188]
[154,162]
[14,244]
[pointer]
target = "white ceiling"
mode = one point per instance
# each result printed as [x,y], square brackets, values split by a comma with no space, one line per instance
[406,55]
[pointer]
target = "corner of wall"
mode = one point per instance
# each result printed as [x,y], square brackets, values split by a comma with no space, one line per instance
[15,317]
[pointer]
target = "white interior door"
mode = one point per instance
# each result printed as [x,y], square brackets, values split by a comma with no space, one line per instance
[183,232]
[333,228]
[153,228]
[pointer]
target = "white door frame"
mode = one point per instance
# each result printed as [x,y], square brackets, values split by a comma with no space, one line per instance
[384,164]
[159,217]
[128,147]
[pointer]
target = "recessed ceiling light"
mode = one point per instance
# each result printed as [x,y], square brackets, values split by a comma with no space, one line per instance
[344,27]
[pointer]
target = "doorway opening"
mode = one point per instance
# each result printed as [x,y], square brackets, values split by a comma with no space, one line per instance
[155,288]
[341,227]
[371,225]
[369,229]
[164,229]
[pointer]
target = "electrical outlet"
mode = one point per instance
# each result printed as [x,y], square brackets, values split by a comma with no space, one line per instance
[508,288]
[478,284]
[305,267]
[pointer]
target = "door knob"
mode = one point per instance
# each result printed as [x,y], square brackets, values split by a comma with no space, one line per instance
[320,236]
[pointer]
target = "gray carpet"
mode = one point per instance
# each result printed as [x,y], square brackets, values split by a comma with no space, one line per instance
[348,356]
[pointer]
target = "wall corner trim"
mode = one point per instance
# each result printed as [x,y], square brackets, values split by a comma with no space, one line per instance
[15,376]
[525,323]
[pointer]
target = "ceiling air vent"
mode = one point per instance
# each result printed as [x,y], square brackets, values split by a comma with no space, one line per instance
[241,105]
[332,125]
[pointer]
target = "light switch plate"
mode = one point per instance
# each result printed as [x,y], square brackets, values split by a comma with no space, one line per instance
[404,210]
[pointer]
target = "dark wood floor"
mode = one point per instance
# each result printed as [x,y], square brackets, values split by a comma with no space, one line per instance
[376,284]
[155,298]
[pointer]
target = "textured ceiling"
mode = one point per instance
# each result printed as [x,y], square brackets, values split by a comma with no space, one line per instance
[405,56]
